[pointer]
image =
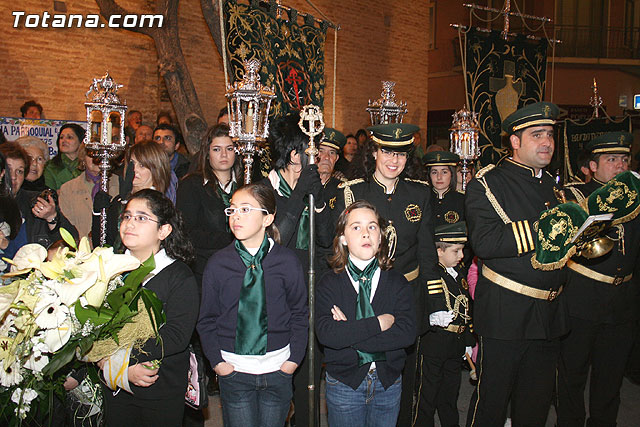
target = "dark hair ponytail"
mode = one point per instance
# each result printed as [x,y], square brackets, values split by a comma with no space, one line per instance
[176,244]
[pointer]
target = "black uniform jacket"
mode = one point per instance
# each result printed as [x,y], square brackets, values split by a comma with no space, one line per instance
[449,209]
[507,250]
[597,301]
[437,301]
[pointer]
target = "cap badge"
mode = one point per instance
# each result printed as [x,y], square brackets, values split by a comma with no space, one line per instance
[546,110]
[437,157]
[398,132]
[332,135]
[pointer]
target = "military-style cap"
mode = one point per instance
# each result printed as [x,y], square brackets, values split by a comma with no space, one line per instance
[394,136]
[611,142]
[452,233]
[333,138]
[440,158]
[538,114]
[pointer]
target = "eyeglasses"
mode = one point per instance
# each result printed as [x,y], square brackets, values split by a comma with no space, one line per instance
[242,210]
[398,154]
[142,219]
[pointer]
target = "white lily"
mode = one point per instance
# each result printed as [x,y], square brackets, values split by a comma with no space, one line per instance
[70,290]
[7,296]
[57,337]
[112,264]
[36,362]
[28,257]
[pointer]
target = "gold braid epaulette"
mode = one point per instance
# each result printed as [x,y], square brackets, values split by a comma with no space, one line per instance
[348,194]
[492,199]
[576,193]
[418,181]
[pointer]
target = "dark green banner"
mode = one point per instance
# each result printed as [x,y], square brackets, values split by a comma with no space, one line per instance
[575,134]
[502,76]
[292,55]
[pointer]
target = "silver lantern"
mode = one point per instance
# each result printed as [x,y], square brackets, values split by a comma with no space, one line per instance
[249,103]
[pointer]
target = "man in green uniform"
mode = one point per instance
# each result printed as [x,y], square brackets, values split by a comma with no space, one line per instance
[602,296]
[519,314]
[388,184]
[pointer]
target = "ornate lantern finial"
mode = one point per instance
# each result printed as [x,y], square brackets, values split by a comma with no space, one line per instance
[105,112]
[249,103]
[386,110]
[596,99]
[464,139]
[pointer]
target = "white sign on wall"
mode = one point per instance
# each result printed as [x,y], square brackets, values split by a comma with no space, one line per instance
[46,130]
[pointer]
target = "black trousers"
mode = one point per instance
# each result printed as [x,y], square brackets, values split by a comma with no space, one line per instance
[408,397]
[520,372]
[440,363]
[603,348]
[124,410]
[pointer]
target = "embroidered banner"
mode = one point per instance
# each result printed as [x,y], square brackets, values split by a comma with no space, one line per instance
[502,76]
[292,55]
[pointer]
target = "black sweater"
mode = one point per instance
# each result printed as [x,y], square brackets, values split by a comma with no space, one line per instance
[286,295]
[176,287]
[342,338]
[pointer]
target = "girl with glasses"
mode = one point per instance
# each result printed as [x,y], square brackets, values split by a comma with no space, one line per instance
[253,315]
[151,226]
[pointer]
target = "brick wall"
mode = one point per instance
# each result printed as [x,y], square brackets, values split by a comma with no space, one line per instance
[379,40]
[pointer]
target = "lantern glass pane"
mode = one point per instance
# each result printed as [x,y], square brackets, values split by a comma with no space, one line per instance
[96,125]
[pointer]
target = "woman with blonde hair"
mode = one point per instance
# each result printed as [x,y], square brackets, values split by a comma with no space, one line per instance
[147,166]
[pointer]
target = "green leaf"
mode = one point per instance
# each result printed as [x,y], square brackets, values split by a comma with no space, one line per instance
[154,307]
[137,275]
[132,283]
[97,316]
[68,238]
[60,359]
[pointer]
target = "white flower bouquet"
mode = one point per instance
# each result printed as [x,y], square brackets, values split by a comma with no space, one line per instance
[56,313]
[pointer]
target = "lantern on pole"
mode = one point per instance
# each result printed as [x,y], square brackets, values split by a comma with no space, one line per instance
[311,123]
[104,138]
[249,102]
[464,139]
[386,110]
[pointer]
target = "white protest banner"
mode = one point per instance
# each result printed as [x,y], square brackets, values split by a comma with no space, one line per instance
[46,130]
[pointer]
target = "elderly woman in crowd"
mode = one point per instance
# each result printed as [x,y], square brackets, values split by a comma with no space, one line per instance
[147,166]
[38,154]
[76,196]
[64,166]
[41,217]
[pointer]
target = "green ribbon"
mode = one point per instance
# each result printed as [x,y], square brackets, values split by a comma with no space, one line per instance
[302,240]
[251,328]
[226,197]
[363,305]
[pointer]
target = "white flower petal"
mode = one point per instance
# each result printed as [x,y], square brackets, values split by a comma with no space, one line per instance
[56,338]
[70,290]
[29,256]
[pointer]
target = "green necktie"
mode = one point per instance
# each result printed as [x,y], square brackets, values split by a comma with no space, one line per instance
[251,328]
[302,241]
[363,305]
[226,197]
